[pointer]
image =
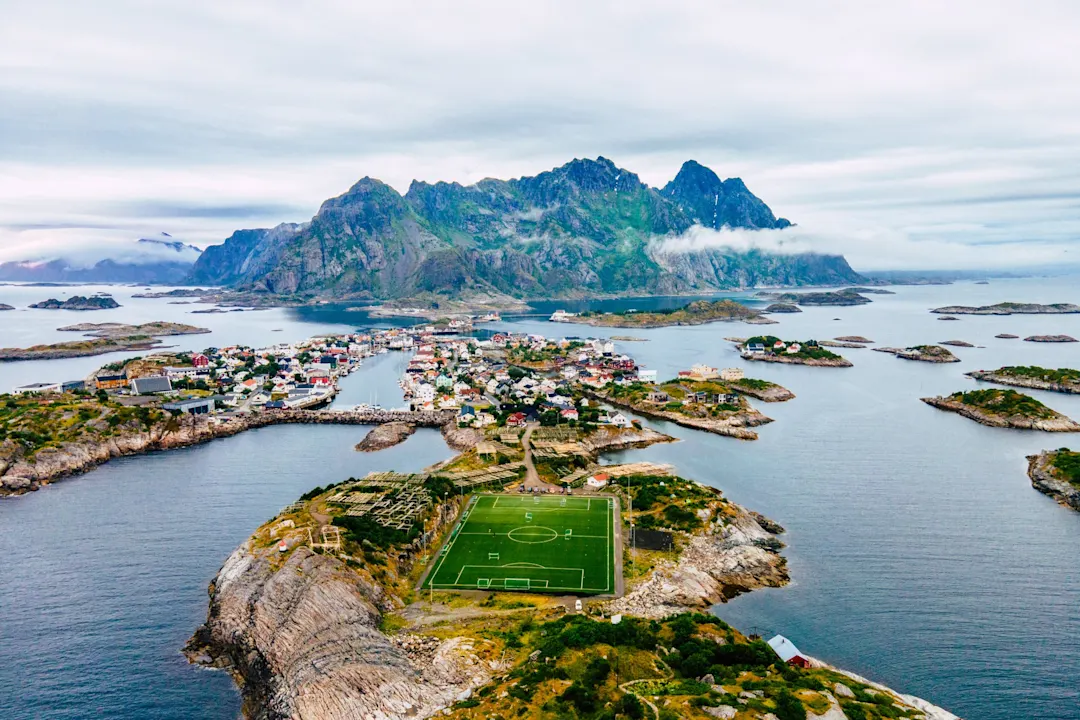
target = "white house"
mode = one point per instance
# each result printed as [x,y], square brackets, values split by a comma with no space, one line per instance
[37,388]
[732,374]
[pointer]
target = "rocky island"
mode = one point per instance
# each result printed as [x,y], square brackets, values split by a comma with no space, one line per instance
[80,348]
[701,404]
[1009,308]
[698,312]
[389,646]
[4,306]
[767,348]
[1063,380]
[783,308]
[923,353]
[78,302]
[158,328]
[1050,339]
[1004,409]
[839,298]
[1057,473]
[384,436]
[107,338]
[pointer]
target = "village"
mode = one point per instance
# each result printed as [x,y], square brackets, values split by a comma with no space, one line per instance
[503,380]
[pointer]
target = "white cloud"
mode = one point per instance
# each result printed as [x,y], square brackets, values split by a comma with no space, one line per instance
[879,248]
[948,124]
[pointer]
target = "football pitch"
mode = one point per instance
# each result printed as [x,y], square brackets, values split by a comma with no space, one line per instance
[539,543]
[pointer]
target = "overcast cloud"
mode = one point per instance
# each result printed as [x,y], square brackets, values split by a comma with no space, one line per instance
[921,135]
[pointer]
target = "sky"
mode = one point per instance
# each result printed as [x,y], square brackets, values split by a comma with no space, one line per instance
[921,135]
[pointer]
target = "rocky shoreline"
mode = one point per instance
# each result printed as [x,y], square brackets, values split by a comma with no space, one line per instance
[20,475]
[724,561]
[1060,423]
[772,393]
[1043,478]
[1024,382]
[785,359]
[262,624]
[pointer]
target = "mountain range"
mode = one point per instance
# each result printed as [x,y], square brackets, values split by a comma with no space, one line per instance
[585,228]
[149,260]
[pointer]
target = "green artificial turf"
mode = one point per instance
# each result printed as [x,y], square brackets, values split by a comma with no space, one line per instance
[546,543]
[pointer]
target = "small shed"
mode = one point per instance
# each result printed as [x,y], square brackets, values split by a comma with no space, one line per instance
[786,651]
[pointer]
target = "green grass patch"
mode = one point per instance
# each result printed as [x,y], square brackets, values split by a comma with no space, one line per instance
[529,543]
[1004,402]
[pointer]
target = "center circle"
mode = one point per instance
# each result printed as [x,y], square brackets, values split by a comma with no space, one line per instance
[532,534]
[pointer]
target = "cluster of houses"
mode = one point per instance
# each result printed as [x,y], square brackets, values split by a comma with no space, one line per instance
[473,376]
[705,372]
[777,348]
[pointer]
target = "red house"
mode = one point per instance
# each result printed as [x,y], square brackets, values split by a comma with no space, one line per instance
[200,360]
[516,420]
[786,651]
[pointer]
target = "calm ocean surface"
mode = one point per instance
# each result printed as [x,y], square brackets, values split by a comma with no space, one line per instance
[920,554]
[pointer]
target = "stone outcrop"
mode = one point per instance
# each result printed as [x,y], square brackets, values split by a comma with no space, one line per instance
[1050,339]
[384,436]
[770,393]
[931,711]
[1046,480]
[921,353]
[461,439]
[606,439]
[726,561]
[301,637]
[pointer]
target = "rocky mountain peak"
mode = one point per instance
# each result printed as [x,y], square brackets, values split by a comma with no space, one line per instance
[578,178]
[587,226]
[715,204]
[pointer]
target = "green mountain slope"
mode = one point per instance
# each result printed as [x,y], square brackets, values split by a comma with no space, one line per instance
[587,227]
